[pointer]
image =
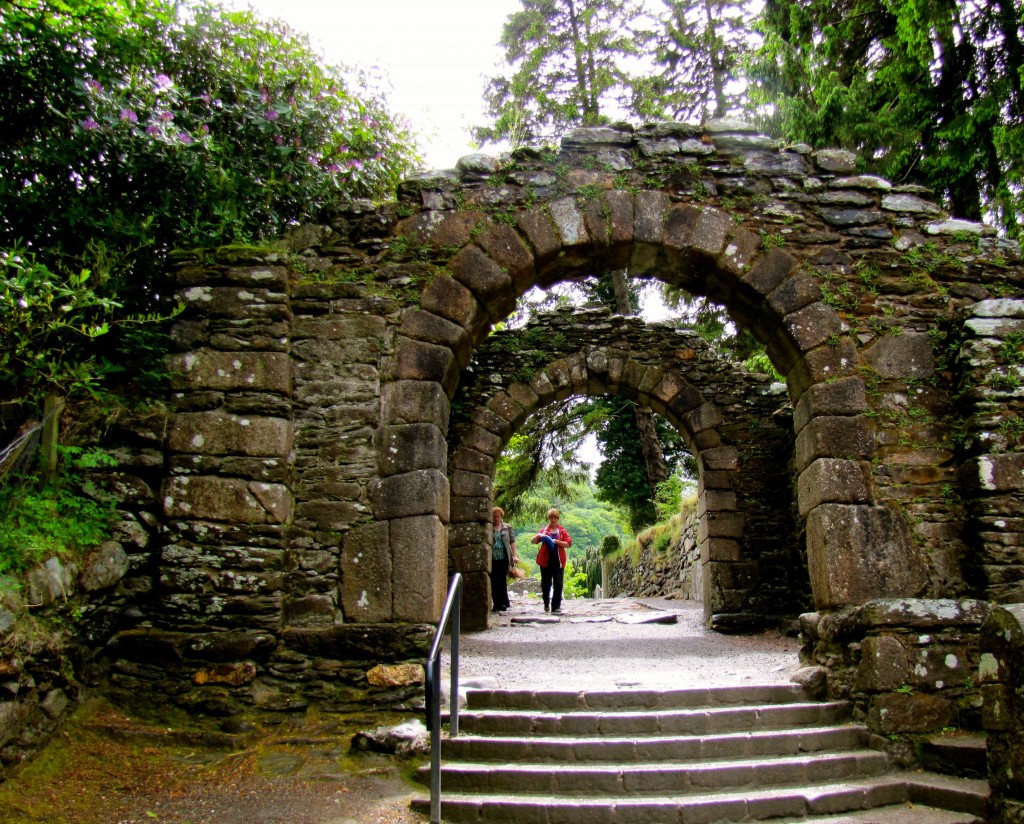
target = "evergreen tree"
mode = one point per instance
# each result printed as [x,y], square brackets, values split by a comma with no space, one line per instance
[568,67]
[698,47]
[926,91]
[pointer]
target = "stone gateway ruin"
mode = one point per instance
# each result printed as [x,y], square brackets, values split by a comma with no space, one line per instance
[341,401]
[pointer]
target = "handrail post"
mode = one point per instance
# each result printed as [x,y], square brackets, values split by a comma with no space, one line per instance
[451,615]
[453,690]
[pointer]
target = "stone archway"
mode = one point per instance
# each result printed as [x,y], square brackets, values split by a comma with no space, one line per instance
[307,493]
[748,550]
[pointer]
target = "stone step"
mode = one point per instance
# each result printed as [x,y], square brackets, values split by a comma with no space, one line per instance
[893,814]
[702,721]
[566,700]
[567,750]
[626,780]
[740,805]
[963,754]
[967,795]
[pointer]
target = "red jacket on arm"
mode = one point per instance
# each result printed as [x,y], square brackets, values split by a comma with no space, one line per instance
[560,535]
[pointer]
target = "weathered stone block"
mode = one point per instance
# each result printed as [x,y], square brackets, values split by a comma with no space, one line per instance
[896,712]
[858,553]
[620,204]
[723,457]
[366,570]
[649,216]
[103,567]
[431,328]
[846,396]
[226,371]
[740,250]
[453,301]
[540,232]
[907,356]
[884,665]
[812,326]
[507,249]
[473,484]
[408,401]
[416,360]
[419,549]
[768,271]
[996,473]
[214,433]
[833,480]
[226,499]
[491,286]
[569,222]
[409,447]
[424,492]
[706,416]
[828,436]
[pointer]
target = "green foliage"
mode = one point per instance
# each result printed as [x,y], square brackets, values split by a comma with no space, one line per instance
[927,91]
[62,517]
[574,585]
[670,495]
[698,49]
[568,66]
[134,127]
[622,478]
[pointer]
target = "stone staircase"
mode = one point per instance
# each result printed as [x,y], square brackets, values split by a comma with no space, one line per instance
[690,756]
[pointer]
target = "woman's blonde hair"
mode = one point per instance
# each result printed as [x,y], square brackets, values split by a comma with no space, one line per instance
[555,512]
[499,510]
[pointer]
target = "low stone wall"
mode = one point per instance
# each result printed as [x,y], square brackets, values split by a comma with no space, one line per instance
[909,666]
[672,573]
[57,619]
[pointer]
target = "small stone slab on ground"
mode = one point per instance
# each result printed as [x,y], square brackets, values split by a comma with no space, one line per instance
[591,619]
[536,619]
[647,618]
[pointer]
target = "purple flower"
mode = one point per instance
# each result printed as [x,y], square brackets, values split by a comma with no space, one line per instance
[205,98]
[278,139]
[184,137]
[264,97]
[166,117]
[94,85]
[161,82]
[152,130]
[271,115]
[204,129]
[89,124]
[129,115]
[334,167]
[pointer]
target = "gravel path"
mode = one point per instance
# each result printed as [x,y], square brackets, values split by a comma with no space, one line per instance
[593,645]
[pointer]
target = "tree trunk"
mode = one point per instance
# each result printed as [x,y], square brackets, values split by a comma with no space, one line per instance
[650,443]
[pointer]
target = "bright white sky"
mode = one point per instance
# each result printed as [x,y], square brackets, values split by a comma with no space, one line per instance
[437,54]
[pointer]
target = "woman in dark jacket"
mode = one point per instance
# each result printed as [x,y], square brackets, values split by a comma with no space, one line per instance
[503,553]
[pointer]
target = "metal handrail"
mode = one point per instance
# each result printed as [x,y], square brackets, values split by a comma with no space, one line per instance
[452,612]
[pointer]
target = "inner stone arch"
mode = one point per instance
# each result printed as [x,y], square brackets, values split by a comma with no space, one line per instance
[752,569]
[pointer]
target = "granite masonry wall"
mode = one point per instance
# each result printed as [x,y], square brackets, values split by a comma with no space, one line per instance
[321,480]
